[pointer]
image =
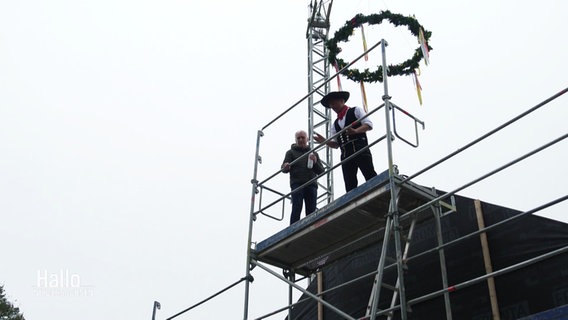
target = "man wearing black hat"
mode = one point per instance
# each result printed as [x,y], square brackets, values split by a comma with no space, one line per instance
[351,140]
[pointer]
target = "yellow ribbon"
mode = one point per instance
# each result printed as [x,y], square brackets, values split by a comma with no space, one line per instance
[364,43]
[418,86]
[364,96]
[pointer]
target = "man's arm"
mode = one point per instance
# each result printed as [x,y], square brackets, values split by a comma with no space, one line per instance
[362,129]
[360,113]
[286,163]
[319,138]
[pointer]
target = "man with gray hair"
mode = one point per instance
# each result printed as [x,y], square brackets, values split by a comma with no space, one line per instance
[301,172]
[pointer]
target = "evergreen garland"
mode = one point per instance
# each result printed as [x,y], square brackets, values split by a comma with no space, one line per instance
[343,34]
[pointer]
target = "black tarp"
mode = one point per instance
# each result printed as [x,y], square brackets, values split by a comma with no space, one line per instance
[529,290]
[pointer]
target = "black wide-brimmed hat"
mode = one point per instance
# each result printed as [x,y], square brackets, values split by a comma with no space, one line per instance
[334,95]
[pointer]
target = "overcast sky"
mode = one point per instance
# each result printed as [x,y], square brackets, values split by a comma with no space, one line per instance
[128,132]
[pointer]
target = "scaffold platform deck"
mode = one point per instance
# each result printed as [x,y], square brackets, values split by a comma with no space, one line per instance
[352,222]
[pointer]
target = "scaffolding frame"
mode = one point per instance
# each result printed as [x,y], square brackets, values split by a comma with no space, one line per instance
[397,221]
[251,263]
[436,206]
[393,226]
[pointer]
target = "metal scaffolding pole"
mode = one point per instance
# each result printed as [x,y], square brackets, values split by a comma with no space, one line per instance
[252,218]
[318,73]
[393,214]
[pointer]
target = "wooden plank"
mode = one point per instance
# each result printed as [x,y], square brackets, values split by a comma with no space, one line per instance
[487,261]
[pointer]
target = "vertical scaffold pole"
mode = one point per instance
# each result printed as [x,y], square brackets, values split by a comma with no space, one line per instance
[393,217]
[252,217]
[394,191]
[292,277]
[442,255]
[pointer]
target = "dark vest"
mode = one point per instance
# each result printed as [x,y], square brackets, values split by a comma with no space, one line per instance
[350,144]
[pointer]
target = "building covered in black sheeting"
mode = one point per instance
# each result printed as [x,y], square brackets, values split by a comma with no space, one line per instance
[521,290]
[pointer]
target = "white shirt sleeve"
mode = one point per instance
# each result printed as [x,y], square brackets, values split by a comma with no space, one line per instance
[360,113]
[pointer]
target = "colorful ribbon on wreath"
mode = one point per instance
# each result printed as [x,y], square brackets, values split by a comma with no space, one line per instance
[418,86]
[364,97]
[423,46]
[364,43]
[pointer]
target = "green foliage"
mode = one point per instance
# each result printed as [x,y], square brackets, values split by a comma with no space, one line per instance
[7,309]
[405,68]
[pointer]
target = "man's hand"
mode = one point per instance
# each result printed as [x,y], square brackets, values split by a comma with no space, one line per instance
[350,131]
[286,167]
[318,137]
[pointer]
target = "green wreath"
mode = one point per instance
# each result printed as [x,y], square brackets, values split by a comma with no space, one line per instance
[405,68]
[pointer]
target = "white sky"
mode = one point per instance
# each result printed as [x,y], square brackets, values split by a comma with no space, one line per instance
[128,131]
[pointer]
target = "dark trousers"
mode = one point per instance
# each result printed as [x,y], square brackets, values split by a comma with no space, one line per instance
[307,194]
[363,161]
